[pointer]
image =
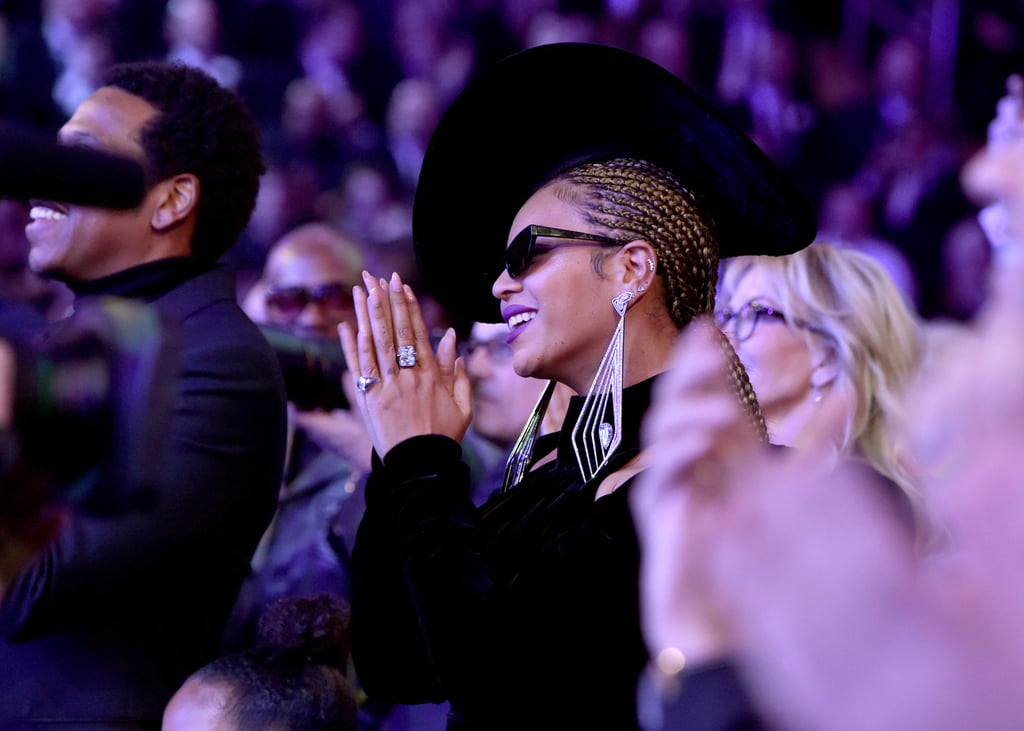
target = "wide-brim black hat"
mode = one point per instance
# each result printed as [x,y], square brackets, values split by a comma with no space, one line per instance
[543,110]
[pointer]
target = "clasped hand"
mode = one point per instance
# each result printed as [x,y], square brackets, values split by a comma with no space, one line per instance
[427,393]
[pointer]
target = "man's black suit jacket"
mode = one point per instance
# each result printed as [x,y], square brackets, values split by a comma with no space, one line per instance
[101,630]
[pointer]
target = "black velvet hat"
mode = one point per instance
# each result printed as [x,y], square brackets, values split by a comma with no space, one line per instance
[544,110]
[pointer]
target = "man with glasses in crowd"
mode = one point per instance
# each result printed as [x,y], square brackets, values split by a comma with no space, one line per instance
[502,399]
[305,292]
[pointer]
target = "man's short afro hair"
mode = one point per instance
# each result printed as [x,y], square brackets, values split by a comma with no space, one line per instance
[205,129]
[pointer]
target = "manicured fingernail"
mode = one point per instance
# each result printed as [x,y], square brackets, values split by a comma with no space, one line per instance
[371,283]
[396,283]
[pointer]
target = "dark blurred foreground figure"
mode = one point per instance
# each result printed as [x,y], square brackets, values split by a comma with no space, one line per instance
[105,625]
[593,233]
[843,620]
[292,679]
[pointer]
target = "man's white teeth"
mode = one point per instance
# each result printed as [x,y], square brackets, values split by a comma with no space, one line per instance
[520,319]
[41,212]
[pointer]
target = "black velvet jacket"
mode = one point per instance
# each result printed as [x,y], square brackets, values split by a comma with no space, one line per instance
[523,613]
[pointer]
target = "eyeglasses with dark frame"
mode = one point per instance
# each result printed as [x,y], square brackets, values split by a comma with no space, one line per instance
[289,302]
[524,247]
[742,322]
[498,351]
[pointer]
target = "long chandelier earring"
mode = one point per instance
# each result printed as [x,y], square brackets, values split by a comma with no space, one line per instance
[597,432]
[522,453]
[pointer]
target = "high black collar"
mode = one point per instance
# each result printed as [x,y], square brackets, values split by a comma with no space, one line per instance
[145,282]
[635,401]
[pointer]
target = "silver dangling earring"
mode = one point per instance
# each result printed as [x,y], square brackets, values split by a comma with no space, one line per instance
[522,452]
[595,438]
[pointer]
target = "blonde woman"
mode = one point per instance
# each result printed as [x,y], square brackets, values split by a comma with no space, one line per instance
[829,343]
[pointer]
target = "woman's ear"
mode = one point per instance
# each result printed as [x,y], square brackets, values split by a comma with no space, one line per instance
[178,197]
[640,262]
[826,368]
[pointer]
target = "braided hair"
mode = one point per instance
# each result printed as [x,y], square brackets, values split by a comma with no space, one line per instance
[631,199]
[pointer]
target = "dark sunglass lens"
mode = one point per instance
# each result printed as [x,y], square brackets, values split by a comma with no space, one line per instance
[517,255]
[288,302]
[335,296]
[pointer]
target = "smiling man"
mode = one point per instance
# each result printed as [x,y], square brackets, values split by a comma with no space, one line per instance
[119,610]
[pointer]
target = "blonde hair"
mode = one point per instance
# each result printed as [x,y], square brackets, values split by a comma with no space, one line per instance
[850,301]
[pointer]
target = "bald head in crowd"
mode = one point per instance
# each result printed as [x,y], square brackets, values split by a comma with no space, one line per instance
[307,281]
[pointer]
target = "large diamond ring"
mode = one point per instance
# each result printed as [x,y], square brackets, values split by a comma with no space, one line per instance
[364,382]
[406,356]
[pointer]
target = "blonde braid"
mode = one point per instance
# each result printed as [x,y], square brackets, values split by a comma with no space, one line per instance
[634,199]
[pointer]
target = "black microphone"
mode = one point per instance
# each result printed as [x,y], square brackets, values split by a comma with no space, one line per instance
[35,166]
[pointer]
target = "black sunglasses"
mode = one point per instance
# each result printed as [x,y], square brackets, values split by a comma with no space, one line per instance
[291,301]
[523,247]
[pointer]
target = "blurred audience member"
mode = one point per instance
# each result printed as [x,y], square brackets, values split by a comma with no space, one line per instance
[910,169]
[192,31]
[306,290]
[413,110]
[368,205]
[847,218]
[77,33]
[502,399]
[336,54]
[830,344]
[966,256]
[666,41]
[429,42]
[293,679]
[288,191]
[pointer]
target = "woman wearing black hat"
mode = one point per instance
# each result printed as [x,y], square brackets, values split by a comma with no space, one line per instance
[582,195]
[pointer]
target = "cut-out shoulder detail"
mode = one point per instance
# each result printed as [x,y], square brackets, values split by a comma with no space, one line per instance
[619,477]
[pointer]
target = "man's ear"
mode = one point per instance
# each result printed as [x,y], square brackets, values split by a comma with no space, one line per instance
[177,197]
[640,261]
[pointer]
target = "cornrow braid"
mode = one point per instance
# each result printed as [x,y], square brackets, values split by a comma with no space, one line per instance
[637,200]
[634,199]
[742,387]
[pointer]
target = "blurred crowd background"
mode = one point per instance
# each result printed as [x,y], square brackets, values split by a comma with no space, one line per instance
[872,105]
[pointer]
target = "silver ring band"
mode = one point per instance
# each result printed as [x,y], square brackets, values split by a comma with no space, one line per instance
[363,383]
